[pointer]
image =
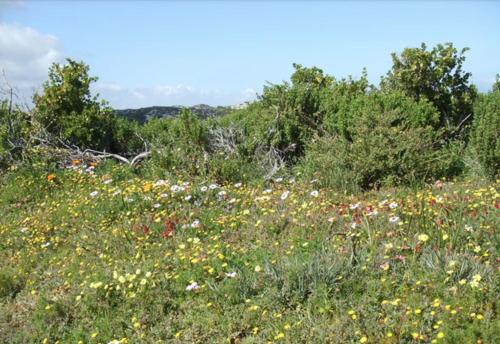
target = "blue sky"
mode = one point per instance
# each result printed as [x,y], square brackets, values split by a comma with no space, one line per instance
[223,52]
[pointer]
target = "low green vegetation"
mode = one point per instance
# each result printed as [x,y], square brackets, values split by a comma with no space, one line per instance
[96,255]
[326,211]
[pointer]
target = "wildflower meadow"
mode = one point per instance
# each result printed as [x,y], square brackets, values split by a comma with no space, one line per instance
[99,254]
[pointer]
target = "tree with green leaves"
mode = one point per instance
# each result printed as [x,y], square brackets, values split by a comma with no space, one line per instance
[496,85]
[438,76]
[68,110]
[485,133]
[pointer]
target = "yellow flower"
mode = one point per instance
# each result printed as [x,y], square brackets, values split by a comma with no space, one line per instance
[258,268]
[423,237]
[363,339]
[279,336]
[440,335]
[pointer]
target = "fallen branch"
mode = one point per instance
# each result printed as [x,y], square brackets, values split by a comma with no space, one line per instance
[104,155]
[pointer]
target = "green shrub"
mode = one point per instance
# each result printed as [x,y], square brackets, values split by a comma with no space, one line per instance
[485,133]
[67,109]
[15,127]
[389,139]
[10,284]
[438,76]
[125,136]
[179,143]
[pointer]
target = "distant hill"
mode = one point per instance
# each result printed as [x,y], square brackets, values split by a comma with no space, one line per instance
[142,115]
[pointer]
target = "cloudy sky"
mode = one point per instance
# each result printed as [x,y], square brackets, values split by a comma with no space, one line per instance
[222,53]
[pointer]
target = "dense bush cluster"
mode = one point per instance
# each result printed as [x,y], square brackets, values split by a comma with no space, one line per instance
[485,136]
[416,126]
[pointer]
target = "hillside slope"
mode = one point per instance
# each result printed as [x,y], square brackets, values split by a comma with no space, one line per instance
[142,115]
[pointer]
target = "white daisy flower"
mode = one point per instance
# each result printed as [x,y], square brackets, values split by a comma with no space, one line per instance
[354,206]
[159,182]
[175,188]
[193,286]
[284,195]
[394,219]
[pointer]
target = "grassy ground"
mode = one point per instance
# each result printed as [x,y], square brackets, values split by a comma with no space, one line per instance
[107,256]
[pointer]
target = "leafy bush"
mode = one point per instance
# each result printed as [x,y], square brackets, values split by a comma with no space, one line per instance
[341,95]
[67,109]
[485,134]
[15,127]
[125,137]
[436,75]
[294,111]
[178,143]
[389,139]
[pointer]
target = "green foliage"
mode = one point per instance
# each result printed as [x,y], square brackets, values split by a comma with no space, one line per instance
[87,257]
[4,133]
[390,139]
[125,137]
[294,111]
[67,109]
[10,284]
[340,96]
[496,85]
[15,127]
[486,131]
[437,75]
[178,143]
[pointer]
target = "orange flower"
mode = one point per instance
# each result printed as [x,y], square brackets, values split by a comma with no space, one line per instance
[50,177]
[75,162]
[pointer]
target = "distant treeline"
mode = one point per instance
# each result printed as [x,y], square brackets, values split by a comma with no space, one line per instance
[142,115]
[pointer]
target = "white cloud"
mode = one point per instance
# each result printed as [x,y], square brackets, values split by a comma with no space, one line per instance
[249,93]
[26,55]
[110,87]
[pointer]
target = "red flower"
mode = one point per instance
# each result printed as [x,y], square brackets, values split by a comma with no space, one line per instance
[168,229]
[418,248]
